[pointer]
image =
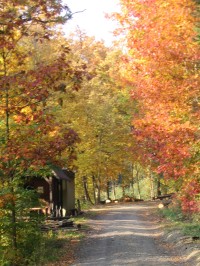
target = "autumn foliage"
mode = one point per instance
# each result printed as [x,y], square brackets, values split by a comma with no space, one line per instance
[31,137]
[162,67]
[44,115]
[28,135]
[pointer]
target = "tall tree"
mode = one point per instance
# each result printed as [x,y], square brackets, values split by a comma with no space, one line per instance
[28,137]
[100,114]
[161,62]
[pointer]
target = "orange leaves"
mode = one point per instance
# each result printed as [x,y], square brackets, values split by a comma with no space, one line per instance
[6,199]
[190,196]
[166,143]
[33,66]
[161,52]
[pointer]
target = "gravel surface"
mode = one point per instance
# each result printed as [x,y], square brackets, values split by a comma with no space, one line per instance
[126,234]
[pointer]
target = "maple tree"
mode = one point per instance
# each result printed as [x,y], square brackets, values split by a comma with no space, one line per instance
[30,136]
[161,66]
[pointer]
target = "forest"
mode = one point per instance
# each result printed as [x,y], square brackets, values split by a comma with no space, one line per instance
[124,118]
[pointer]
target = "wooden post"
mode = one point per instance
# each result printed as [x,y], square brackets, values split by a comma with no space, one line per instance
[51,206]
[61,198]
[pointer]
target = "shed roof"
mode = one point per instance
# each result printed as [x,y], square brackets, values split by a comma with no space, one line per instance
[63,174]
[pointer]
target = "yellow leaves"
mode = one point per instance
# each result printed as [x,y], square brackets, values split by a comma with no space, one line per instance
[26,110]
[54,132]
[164,4]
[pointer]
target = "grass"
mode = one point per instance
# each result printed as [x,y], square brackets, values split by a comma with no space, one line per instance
[58,244]
[192,230]
[189,226]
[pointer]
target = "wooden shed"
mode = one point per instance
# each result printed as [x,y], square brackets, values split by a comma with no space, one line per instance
[57,191]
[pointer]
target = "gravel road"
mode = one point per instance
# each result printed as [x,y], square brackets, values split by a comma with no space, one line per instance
[126,234]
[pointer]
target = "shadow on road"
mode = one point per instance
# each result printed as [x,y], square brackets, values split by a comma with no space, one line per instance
[125,235]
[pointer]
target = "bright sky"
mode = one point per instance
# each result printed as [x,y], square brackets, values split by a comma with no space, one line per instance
[93,20]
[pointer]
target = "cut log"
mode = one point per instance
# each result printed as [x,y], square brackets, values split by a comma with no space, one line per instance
[166,196]
[66,223]
[165,203]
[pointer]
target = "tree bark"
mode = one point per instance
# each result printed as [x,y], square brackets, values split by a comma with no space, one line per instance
[152,185]
[7,119]
[108,189]
[94,189]
[159,185]
[13,218]
[123,191]
[87,195]
[114,190]
[98,193]
[138,183]
[132,180]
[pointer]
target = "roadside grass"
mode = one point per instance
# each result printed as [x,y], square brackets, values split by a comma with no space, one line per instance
[189,225]
[82,220]
[53,246]
[60,244]
[86,205]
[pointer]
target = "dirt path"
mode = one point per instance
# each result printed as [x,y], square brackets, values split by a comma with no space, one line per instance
[126,235]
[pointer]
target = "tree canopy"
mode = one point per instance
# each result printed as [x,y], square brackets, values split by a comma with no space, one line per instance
[124,115]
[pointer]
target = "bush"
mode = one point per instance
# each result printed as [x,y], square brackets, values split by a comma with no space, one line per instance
[20,234]
[189,225]
[173,214]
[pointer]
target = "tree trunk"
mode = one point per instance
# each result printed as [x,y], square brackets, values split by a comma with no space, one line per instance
[78,206]
[152,185]
[108,190]
[13,218]
[114,190]
[51,207]
[132,180]
[7,123]
[87,195]
[159,185]
[132,188]
[138,183]
[98,191]
[123,191]
[94,189]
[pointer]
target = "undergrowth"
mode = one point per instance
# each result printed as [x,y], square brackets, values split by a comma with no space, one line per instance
[188,224]
[56,242]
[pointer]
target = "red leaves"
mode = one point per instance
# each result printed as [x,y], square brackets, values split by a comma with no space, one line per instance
[160,66]
[166,145]
[28,84]
[190,196]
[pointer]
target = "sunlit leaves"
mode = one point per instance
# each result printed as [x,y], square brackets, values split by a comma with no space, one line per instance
[161,57]
[33,65]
